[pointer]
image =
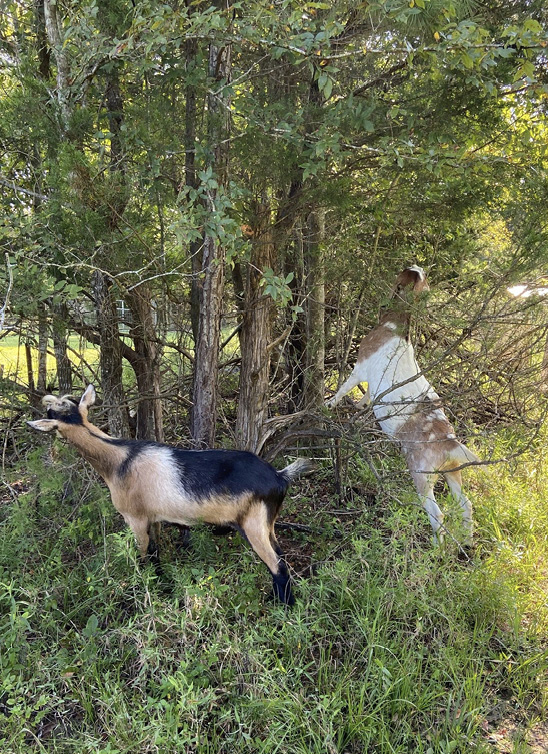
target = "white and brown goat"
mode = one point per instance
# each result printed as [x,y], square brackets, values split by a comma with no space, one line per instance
[406,405]
[150,483]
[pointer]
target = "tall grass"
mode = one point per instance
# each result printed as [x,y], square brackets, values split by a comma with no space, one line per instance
[393,647]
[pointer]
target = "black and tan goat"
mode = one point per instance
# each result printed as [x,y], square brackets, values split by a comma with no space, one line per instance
[406,405]
[150,483]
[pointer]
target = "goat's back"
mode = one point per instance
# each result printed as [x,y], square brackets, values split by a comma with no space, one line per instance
[185,486]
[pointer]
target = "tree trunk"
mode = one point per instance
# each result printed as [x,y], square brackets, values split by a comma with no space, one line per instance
[42,47]
[206,365]
[315,311]
[192,181]
[42,350]
[107,317]
[34,399]
[255,335]
[55,36]
[296,344]
[146,365]
[59,332]
[110,356]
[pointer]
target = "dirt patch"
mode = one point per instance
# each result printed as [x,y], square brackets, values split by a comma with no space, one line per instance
[511,735]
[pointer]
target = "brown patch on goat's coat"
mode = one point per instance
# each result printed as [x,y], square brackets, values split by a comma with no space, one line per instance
[433,454]
[374,340]
[104,458]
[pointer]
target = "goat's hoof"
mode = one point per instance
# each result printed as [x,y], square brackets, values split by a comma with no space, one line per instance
[466,552]
[287,600]
[185,538]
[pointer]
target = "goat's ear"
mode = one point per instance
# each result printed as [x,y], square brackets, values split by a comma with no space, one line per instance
[421,283]
[88,399]
[412,277]
[44,425]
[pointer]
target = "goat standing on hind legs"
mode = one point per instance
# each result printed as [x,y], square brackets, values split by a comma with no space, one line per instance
[150,483]
[407,407]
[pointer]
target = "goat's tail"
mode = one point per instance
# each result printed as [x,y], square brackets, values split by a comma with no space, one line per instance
[296,469]
[460,455]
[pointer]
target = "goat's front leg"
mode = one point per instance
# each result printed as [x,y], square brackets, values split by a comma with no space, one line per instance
[365,400]
[355,378]
[147,545]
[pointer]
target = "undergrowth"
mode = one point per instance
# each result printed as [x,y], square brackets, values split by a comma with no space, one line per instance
[393,647]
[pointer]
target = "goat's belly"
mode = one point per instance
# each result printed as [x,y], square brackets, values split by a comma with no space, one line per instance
[217,509]
[391,424]
[393,411]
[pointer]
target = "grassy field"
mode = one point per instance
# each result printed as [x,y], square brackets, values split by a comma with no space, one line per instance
[13,360]
[393,646]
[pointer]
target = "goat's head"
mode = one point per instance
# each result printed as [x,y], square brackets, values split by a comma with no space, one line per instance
[64,411]
[412,278]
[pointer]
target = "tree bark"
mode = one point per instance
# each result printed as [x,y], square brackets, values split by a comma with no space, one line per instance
[146,365]
[255,334]
[59,333]
[42,350]
[314,376]
[56,39]
[296,343]
[42,47]
[206,365]
[192,182]
[34,398]
[110,359]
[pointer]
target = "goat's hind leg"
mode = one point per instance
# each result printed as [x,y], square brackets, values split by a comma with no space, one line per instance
[454,481]
[260,535]
[424,484]
[153,549]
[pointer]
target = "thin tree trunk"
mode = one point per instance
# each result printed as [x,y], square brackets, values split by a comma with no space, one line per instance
[315,311]
[192,181]
[110,356]
[206,365]
[55,36]
[30,374]
[105,304]
[255,335]
[146,365]
[42,350]
[295,361]
[59,333]
[42,41]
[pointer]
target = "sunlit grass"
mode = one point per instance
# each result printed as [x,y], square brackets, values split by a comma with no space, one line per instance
[13,360]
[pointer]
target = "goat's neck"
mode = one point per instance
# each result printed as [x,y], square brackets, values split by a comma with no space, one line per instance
[92,445]
[402,320]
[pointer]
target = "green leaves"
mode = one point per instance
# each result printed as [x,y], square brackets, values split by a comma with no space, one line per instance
[276,286]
